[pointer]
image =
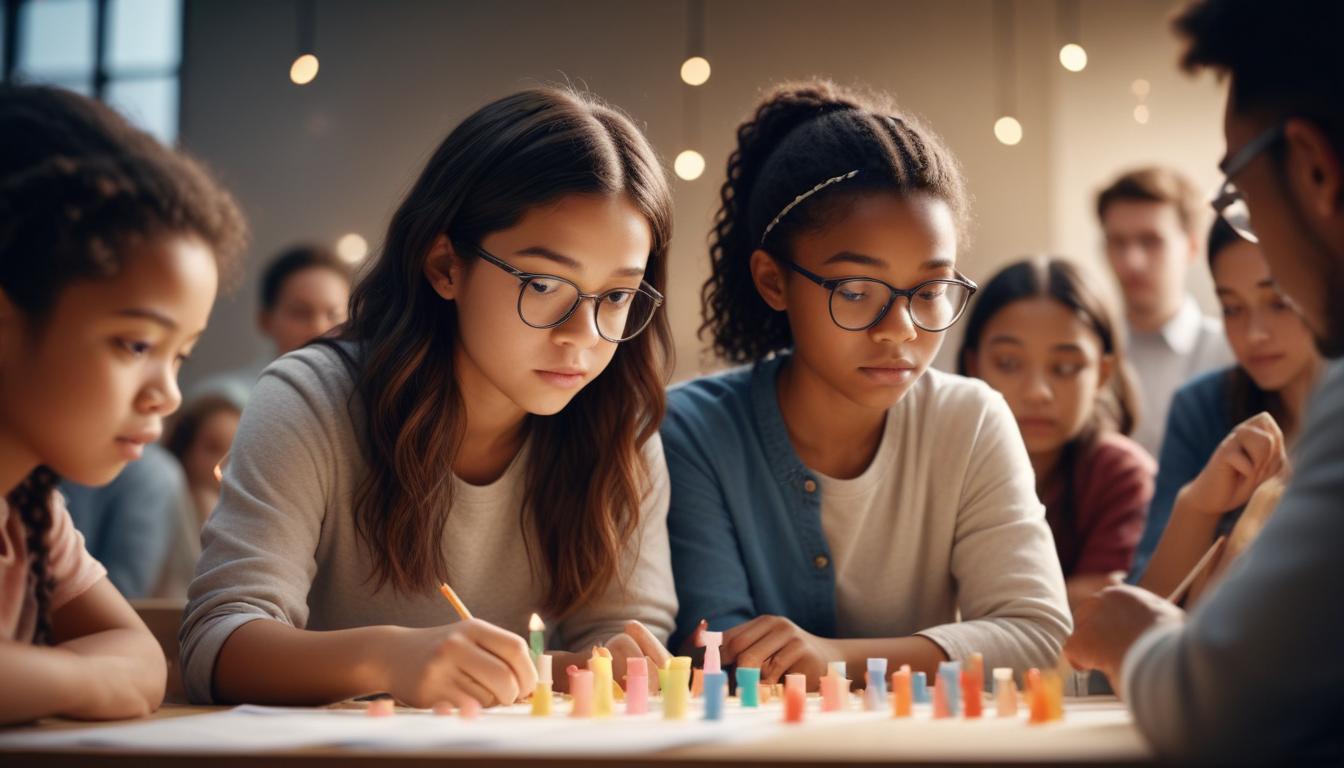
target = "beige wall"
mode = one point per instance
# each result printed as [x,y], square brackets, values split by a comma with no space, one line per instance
[333,157]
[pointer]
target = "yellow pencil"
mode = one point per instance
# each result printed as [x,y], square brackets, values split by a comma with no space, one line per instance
[458,605]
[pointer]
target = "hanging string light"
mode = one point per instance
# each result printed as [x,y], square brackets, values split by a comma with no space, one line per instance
[1141,88]
[1007,128]
[1069,19]
[689,163]
[304,68]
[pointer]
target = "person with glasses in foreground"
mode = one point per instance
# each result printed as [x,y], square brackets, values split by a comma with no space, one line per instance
[1254,672]
[487,418]
[836,499]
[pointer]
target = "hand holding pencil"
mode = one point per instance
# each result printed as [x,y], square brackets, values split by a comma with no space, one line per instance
[469,659]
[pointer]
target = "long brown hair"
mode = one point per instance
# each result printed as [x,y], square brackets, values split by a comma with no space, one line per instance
[586,476]
[800,135]
[77,185]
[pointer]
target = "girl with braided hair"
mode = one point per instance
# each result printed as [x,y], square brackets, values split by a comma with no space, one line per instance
[835,499]
[111,248]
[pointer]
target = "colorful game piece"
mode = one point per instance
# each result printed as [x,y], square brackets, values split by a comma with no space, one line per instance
[1054,695]
[766,692]
[749,686]
[830,693]
[636,685]
[949,681]
[600,665]
[1005,692]
[920,684]
[716,690]
[973,685]
[382,708]
[1038,704]
[901,694]
[541,697]
[711,641]
[795,697]
[697,683]
[677,692]
[875,692]
[580,691]
[536,631]
[940,709]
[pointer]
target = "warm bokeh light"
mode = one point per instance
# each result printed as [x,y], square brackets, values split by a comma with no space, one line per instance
[689,165]
[1073,57]
[304,69]
[1008,130]
[352,248]
[695,70]
[1141,114]
[1140,88]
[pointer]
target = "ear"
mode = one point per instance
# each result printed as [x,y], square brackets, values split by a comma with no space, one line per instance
[1106,369]
[769,279]
[443,268]
[1313,167]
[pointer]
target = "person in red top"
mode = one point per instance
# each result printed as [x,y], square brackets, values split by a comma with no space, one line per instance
[1054,349]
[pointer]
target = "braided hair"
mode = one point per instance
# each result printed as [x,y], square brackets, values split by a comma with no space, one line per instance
[801,135]
[78,186]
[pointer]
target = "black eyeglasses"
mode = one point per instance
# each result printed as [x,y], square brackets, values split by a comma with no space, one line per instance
[545,301]
[859,303]
[1229,203]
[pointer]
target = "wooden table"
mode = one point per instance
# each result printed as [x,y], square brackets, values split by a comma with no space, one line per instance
[817,743]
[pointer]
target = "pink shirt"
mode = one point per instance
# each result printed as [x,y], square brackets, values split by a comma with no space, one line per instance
[68,563]
[1112,485]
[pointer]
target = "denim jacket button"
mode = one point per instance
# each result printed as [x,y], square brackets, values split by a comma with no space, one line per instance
[821,561]
[810,485]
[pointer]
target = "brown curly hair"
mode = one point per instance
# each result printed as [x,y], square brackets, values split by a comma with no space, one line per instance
[78,184]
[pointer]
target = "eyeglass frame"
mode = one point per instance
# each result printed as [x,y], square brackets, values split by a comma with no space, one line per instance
[526,277]
[1228,194]
[831,283]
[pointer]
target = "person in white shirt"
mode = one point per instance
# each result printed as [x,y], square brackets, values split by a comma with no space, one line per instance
[1152,220]
[1254,672]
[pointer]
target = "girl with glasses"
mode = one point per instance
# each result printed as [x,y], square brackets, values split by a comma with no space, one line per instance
[487,418]
[1054,349]
[835,499]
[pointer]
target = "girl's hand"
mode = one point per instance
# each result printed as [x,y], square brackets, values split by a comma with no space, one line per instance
[1251,454]
[777,646]
[108,688]
[470,659]
[636,641]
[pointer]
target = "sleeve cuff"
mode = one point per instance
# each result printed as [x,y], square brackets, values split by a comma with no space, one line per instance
[200,652]
[1136,653]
